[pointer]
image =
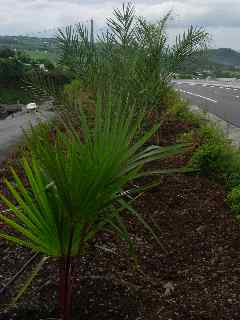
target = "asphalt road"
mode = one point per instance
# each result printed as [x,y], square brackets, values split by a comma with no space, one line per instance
[217,97]
[11,129]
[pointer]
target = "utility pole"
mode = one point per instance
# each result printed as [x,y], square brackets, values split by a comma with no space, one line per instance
[92,34]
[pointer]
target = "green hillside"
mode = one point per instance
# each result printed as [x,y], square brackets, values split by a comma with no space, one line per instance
[47,47]
[37,48]
[224,56]
[223,62]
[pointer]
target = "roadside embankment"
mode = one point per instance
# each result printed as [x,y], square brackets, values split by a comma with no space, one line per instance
[230,131]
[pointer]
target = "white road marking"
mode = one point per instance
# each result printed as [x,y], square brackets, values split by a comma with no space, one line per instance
[199,96]
[237,97]
[227,88]
[235,89]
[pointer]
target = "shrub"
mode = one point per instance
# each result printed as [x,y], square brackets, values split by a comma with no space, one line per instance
[76,92]
[218,159]
[58,77]
[176,105]
[212,159]
[14,94]
[210,133]
[189,137]
[179,107]
[233,200]
[11,70]
[72,89]
[215,157]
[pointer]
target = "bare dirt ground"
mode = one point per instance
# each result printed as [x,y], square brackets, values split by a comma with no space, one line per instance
[196,277]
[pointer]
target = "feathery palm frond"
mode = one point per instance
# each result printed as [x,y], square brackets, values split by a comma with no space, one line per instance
[122,25]
[193,40]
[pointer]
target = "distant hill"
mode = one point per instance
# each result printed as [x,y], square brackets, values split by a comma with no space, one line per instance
[27,43]
[223,62]
[224,56]
[37,48]
[47,47]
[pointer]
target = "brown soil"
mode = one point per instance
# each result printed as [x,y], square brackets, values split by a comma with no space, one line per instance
[196,275]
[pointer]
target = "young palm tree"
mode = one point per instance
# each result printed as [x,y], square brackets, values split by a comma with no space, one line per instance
[77,186]
[133,55]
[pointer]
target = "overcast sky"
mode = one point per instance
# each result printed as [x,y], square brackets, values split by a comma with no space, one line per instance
[220,17]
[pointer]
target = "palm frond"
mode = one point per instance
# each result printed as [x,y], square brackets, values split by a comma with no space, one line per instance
[193,40]
[122,25]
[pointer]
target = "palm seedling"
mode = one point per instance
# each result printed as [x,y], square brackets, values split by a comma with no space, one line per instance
[77,186]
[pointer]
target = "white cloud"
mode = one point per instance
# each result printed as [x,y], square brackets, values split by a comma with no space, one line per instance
[221,17]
